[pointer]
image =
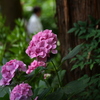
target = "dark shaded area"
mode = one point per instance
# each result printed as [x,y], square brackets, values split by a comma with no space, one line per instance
[12,10]
[69,12]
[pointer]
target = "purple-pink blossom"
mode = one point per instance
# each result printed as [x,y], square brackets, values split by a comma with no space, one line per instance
[21,92]
[34,65]
[8,71]
[42,44]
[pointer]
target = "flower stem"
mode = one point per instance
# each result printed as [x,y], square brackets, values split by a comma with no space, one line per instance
[56,73]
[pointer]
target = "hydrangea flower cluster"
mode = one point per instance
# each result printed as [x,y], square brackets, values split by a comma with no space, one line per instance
[21,92]
[9,69]
[34,65]
[40,47]
[42,44]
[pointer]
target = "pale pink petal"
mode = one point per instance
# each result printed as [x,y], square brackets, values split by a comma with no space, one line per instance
[54,51]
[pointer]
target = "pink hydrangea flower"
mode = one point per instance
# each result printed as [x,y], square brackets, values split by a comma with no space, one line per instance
[34,65]
[21,92]
[8,71]
[42,44]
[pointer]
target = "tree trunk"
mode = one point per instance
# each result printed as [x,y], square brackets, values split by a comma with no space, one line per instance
[12,10]
[69,12]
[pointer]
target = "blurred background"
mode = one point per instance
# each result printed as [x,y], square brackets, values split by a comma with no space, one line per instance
[23,9]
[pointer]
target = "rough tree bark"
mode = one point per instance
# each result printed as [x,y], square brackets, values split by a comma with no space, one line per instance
[68,12]
[12,10]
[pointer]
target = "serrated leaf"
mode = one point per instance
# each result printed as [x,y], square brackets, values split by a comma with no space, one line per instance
[72,53]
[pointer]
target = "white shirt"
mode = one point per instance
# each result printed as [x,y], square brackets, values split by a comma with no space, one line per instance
[34,24]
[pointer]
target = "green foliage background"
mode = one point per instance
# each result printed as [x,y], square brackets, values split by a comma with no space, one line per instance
[48,17]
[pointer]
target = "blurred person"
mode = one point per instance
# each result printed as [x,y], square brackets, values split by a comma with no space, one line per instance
[34,23]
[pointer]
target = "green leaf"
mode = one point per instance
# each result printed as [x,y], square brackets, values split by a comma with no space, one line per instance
[92,65]
[4,91]
[57,95]
[74,67]
[0,72]
[73,59]
[81,32]
[61,74]
[76,25]
[36,90]
[44,93]
[77,31]
[42,84]
[72,53]
[6,97]
[98,21]
[92,19]
[82,23]
[76,86]
[55,81]
[71,30]
[4,60]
